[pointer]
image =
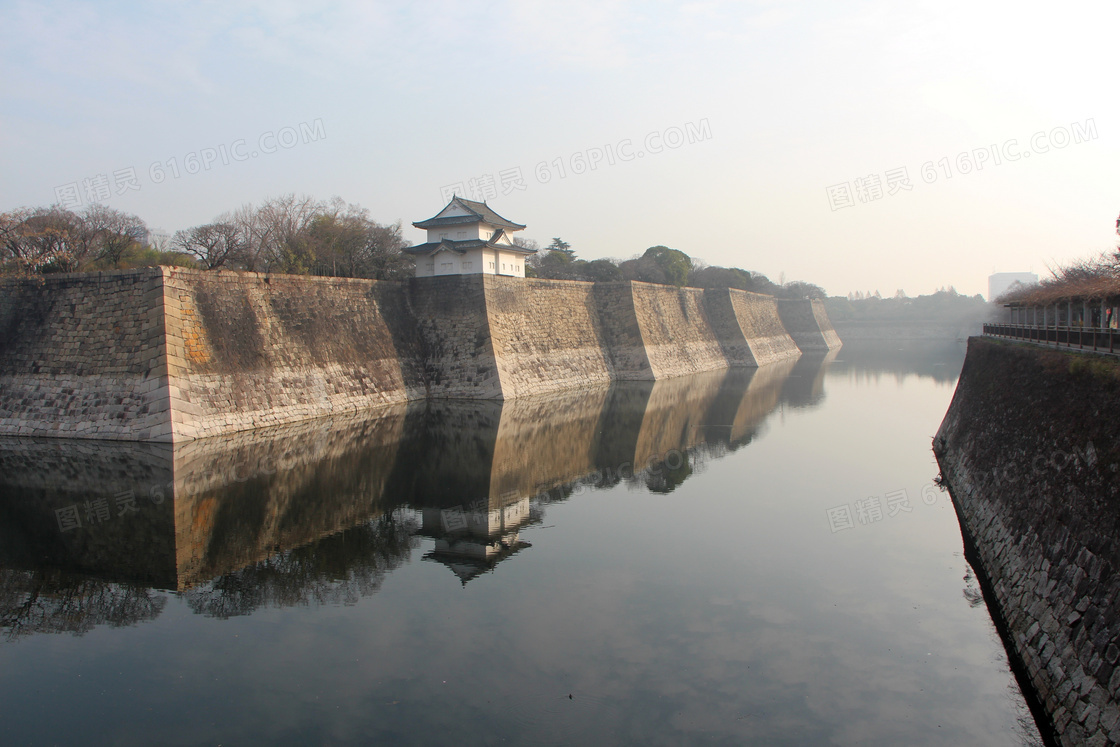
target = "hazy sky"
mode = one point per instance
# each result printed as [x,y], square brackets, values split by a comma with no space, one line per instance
[773,107]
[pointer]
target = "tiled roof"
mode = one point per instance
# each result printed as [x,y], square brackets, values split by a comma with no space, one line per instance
[479,211]
[462,247]
[1089,289]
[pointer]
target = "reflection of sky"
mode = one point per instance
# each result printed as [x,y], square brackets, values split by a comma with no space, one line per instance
[940,360]
[726,612]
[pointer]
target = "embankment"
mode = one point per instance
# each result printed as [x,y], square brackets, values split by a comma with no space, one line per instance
[807,323]
[761,326]
[247,350]
[546,334]
[1028,450]
[82,356]
[169,354]
[678,335]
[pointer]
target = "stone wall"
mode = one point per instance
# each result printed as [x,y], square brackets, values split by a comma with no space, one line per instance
[808,324]
[678,335]
[169,354]
[748,327]
[622,335]
[729,332]
[762,327]
[246,350]
[1029,453]
[82,356]
[546,335]
[454,334]
[824,324]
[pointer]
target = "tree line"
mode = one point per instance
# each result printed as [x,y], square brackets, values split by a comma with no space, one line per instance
[304,236]
[287,234]
[1077,276]
[53,239]
[943,306]
[658,264]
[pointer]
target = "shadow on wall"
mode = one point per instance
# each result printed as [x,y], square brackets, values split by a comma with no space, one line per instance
[223,352]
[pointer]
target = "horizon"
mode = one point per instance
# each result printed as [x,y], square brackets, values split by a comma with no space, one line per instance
[859,148]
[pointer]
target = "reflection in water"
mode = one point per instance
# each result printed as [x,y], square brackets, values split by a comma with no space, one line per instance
[44,601]
[805,386]
[940,360]
[320,512]
[727,611]
[339,569]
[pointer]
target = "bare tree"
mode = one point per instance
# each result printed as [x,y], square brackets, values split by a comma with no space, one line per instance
[255,233]
[214,244]
[291,234]
[285,221]
[42,240]
[112,232]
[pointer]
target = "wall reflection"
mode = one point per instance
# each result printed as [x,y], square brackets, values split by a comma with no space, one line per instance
[868,360]
[320,512]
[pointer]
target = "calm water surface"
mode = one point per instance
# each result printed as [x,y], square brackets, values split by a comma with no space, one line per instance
[736,558]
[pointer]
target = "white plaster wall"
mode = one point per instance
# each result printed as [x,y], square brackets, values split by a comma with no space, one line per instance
[474,262]
[455,233]
[510,263]
[446,263]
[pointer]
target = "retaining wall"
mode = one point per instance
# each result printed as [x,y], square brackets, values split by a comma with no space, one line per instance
[170,354]
[622,335]
[246,350]
[807,323]
[82,356]
[1029,453]
[762,328]
[546,335]
[678,336]
[453,330]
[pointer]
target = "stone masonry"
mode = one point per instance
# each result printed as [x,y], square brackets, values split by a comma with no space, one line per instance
[81,356]
[1028,451]
[748,327]
[169,354]
[247,350]
[808,324]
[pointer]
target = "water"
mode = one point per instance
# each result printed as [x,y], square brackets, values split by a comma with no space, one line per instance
[691,561]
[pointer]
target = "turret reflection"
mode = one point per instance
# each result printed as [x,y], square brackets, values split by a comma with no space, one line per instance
[321,512]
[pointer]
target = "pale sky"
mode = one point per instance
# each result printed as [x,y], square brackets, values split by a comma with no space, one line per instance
[391,104]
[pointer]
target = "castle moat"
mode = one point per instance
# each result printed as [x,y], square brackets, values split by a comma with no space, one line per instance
[746,556]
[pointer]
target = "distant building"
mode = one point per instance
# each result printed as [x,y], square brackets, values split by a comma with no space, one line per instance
[1002,282]
[468,238]
[157,238]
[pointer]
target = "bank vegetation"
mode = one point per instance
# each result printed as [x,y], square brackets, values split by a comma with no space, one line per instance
[1092,277]
[300,235]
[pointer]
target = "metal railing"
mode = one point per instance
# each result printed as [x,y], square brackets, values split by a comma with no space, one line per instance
[1100,339]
